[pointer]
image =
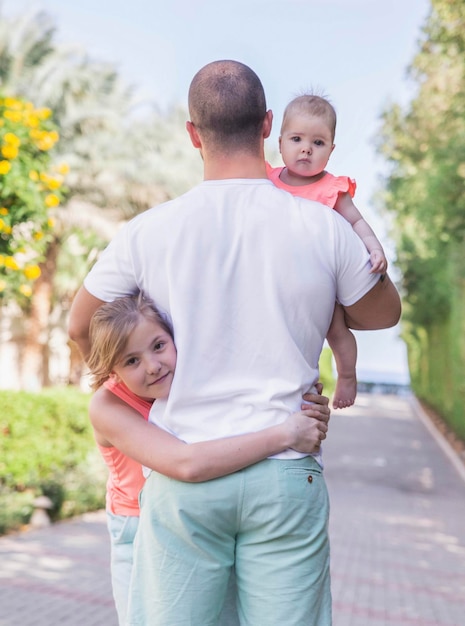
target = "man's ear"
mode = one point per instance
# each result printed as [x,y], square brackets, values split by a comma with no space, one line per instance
[267,124]
[193,134]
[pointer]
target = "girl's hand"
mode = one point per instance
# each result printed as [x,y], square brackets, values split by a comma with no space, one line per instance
[317,402]
[308,428]
[306,431]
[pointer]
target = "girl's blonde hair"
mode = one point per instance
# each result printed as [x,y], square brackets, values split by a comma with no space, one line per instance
[110,329]
[314,106]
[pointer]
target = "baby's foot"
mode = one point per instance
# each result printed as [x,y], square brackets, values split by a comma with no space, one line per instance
[345,393]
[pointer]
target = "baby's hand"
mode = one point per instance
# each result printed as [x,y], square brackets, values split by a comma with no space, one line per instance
[378,262]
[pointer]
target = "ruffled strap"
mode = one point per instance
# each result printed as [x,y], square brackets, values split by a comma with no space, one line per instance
[330,187]
[326,190]
[126,395]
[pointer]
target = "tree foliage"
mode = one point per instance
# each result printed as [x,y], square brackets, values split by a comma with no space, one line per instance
[425,147]
[117,160]
[425,193]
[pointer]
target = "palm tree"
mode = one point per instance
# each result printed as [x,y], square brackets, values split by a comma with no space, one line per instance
[119,163]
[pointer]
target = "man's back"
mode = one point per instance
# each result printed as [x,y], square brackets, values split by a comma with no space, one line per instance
[249,276]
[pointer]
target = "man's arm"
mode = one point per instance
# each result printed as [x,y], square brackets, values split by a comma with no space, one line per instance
[379,308]
[83,307]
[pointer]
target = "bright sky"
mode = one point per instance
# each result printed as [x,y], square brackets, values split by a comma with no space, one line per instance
[356,51]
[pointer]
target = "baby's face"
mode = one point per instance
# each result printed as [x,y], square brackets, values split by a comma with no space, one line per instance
[305,144]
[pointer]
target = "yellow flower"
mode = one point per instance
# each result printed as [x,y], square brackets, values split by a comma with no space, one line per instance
[3,225]
[13,116]
[26,290]
[38,235]
[5,167]
[63,169]
[50,222]
[43,114]
[52,182]
[12,139]
[10,263]
[31,272]
[3,211]
[33,175]
[12,103]
[9,151]
[32,121]
[45,143]
[52,200]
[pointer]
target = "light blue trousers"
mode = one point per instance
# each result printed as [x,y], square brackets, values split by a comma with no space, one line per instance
[122,529]
[270,520]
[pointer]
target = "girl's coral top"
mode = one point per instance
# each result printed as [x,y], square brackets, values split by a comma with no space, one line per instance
[125,479]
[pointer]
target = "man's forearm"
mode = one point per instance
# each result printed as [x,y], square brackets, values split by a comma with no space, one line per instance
[82,309]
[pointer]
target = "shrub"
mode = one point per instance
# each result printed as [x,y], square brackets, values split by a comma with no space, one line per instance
[47,447]
[326,372]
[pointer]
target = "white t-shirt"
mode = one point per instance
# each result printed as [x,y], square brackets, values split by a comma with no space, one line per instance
[249,275]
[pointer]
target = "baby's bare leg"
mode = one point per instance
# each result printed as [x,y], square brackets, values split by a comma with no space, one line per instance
[344,348]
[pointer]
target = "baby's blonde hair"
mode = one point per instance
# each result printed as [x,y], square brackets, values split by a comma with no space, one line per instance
[110,329]
[314,106]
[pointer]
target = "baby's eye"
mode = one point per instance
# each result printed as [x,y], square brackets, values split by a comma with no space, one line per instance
[319,142]
[295,139]
[158,346]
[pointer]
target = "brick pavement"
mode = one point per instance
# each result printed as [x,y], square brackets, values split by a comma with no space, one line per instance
[57,576]
[397,533]
[397,519]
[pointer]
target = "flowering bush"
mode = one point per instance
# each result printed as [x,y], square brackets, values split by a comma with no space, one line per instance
[30,187]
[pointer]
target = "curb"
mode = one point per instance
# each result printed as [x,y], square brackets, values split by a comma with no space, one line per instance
[445,446]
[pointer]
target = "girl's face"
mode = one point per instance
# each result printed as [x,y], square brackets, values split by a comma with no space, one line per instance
[148,362]
[305,145]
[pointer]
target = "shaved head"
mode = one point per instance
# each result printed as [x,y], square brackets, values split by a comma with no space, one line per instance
[227,105]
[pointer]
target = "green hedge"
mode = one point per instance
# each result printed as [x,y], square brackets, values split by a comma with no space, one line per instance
[47,447]
[326,372]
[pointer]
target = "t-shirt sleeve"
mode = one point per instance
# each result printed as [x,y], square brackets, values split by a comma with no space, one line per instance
[353,278]
[113,275]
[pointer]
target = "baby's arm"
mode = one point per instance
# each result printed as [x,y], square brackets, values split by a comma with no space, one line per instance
[124,428]
[345,207]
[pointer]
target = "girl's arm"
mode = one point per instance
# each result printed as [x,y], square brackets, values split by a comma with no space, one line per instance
[119,425]
[345,207]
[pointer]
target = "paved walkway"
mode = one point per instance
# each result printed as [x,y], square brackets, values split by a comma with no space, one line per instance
[397,529]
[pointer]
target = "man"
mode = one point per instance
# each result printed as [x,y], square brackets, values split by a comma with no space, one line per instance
[249,275]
